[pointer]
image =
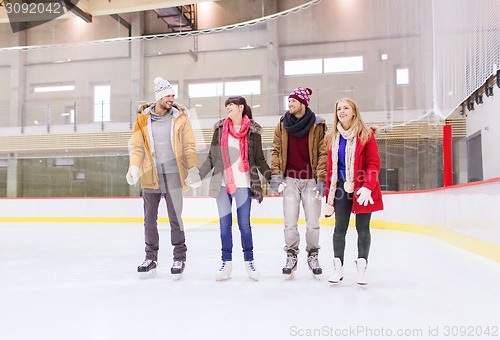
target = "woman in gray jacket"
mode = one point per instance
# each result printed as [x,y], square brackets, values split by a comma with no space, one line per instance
[237,158]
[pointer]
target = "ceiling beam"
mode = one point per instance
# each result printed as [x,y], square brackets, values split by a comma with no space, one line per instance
[86,9]
[77,11]
[122,21]
[127,6]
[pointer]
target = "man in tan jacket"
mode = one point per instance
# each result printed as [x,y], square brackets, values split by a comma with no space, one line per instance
[299,165]
[163,155]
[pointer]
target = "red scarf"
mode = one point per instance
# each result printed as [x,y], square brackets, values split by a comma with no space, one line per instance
[242,135]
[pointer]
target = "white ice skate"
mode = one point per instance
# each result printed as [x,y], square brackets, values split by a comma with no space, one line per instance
[224,272]
[251,270]
[338,272]
[361,264]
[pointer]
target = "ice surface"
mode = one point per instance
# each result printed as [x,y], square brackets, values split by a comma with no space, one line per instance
[79,281]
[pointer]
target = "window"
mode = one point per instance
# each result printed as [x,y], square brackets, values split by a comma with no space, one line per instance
[241,88]
[307,66]
[102,99]
[53,88]
[344,64]
[327,65]
[231,88]
[69,114]
[205,90]
[402,76]
[285,103]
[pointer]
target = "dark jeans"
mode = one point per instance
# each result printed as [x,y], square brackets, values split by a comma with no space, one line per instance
[171,187]
[243,197]
[343,207]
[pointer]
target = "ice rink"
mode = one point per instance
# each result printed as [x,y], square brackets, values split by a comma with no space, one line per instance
[79,281]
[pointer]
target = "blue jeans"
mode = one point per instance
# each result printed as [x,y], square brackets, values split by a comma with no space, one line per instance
[243,197]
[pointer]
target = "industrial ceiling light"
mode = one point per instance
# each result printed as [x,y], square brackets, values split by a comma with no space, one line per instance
[479,98]
[462,109]
[470,106]
[488,91]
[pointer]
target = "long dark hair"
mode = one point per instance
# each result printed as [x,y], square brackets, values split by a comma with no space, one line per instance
[239,100]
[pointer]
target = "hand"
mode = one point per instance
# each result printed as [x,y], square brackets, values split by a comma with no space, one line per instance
[328,210]
[276,182]
[320,189]
[364,196]
[132,175]
[193,178]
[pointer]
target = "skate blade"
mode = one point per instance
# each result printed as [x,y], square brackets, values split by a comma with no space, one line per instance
[290,276]
[225,278]
[334,283]
[253,278]
[177,277]
[147,275]
[317,276]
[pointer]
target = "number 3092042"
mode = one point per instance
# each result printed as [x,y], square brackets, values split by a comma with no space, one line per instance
[32,8]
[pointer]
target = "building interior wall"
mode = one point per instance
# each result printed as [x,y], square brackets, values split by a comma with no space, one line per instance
[411,33]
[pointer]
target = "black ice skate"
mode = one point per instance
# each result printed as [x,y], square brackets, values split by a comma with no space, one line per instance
[291,264]
[147,269]
[177,269]
[312,261]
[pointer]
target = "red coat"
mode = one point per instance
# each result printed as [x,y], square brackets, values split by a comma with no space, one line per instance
[366,171]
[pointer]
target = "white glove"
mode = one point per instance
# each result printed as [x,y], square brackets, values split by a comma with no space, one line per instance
[364,196]
[132,175]
[277,185]
[320,190]
[328,210]
[193,178]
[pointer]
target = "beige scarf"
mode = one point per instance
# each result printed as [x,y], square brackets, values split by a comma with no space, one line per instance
[350,150]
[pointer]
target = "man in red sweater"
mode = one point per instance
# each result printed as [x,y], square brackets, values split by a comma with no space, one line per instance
[299,165]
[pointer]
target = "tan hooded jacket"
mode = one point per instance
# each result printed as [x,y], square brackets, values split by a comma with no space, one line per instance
[317,149]
[142,148]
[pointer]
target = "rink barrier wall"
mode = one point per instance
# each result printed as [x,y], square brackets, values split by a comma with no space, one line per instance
[467,216]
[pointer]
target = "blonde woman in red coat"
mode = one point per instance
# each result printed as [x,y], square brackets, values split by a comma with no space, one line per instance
[352,184]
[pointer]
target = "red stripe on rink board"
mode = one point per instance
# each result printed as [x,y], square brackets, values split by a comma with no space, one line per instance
[456,186]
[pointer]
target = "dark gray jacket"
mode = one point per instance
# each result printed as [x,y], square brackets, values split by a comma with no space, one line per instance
[256,161]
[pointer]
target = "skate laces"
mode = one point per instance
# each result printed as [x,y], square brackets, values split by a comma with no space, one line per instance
[223,266]
[251,266]
[146,263]
[313,260]
[290,261]
[177,264]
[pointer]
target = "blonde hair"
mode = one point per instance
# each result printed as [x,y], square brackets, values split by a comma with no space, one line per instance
[358,125]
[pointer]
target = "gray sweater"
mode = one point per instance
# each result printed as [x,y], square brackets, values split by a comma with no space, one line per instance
[161,127]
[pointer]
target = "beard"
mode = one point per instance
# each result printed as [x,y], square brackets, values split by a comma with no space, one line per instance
[294,110]
[164,105]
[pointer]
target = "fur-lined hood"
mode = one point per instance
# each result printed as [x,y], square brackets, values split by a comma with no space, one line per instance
[254,126]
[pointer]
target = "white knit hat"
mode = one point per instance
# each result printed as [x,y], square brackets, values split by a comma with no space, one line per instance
[162,88]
